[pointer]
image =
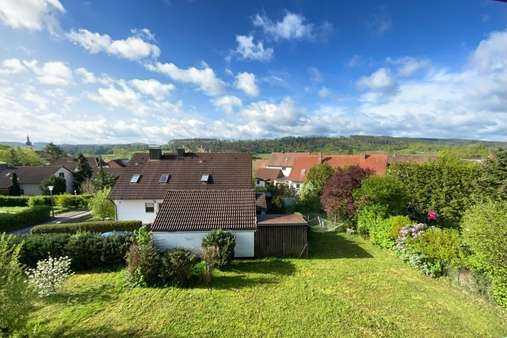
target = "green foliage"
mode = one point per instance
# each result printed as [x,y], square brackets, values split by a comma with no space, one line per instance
[443,245]
[96,226]
[57,182]
[101,206]
[493,180]
[52,152]
[86,250]
[39,200]
[15,294]
[385,232]
[371,218]
[176,267]
[83,171]
[143,265]
[318,176]
[49,275]
[387,191]
[24,218]
[447,185]
[20,156]
[225,242]
[69,201]
[485,232]
[309,199]
[13,201]
[102,180]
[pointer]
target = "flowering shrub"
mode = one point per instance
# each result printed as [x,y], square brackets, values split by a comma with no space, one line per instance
[432,216]
[49,275]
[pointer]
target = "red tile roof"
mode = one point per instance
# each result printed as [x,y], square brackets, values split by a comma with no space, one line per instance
[301,166]
[227,170]
[284,159]
[201,210]
[268,174]
[375,162]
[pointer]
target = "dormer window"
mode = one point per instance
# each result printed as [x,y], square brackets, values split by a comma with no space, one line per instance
[164,178]
[205,178]
[135,178]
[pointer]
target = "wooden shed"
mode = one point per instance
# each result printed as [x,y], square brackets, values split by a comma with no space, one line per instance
[281,236]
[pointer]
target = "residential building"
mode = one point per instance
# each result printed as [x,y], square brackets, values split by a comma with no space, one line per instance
[31,177]
[284,161]
[268,175]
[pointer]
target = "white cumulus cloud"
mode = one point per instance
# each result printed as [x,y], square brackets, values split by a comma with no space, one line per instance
[152,87]
[381,79]
[51,73]
[250,50]
[247,83]
[135,47]
[228,103]
[31,14]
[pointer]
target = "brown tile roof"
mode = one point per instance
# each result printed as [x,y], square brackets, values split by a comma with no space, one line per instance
[284,159]
[281,220]
[301,167]
[201,210]
[27,174]
[116,163]
[227,170]
[260,163]
[268,174]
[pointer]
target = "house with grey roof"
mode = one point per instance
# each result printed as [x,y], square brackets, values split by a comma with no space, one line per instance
[31,177]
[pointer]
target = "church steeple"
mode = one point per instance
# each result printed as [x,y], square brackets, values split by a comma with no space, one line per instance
[28,143]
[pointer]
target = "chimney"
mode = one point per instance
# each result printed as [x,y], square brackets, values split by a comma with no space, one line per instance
[155,153]
[180,152]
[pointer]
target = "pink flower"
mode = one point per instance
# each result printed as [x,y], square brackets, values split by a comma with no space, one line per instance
[432,215]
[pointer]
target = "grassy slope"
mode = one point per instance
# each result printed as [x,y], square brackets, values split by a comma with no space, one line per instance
[348,288]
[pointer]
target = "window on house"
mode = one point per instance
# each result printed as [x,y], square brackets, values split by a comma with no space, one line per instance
[62,175]
[149,207]
[135,178]
[164,178]
[205,178]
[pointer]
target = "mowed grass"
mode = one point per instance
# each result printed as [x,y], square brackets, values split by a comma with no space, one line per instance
[348,288]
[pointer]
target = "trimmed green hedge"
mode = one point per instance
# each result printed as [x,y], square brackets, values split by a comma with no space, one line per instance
[98,226]
[85,249]
[13,201]
[27,217]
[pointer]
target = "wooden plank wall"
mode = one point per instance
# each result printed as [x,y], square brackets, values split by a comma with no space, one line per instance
[281,241]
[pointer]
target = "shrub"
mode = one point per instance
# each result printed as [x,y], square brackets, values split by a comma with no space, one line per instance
[337,197]
[86,250]
[58,183]
[24,218]
[176,267]
[69,201]
[97,226]
[485,232]
[15,294]
[386,232]
[143,265]
[386,191]
[225,242]
[447,186]
[35,201]
[439,244]
[101,206]
[13,201]
[370,218]
[210,255]
[49,275]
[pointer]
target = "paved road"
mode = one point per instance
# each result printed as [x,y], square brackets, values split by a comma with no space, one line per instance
[64,217]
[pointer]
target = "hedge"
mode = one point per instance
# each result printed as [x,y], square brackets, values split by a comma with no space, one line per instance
[13,201]
[85,249]
[98,226]
[26,217]
[69,201]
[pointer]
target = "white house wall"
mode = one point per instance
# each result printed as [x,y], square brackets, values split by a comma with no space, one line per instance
[135,210]
[69,179]
[192,240]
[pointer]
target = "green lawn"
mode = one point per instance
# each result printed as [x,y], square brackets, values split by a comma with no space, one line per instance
[347,288]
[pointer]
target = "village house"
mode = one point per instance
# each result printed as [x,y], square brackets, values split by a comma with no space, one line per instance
[184,196]
[31,177]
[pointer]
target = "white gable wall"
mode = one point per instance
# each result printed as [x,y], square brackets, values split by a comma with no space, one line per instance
[69,179]
[285,170]
[135,210]
[192,240]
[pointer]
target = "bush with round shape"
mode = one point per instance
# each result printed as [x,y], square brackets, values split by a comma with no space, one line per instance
[143,266]
[49,275]
[370,218]
[101,206]
[176,267]
[69,201]
[225,242]
[485,233]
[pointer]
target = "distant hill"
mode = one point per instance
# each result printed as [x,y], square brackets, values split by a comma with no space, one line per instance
[36,146]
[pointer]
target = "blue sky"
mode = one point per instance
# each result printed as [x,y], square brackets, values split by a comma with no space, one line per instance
[151,71]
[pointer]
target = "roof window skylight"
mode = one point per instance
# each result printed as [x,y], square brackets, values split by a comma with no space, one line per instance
[164,178]
[135,178]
